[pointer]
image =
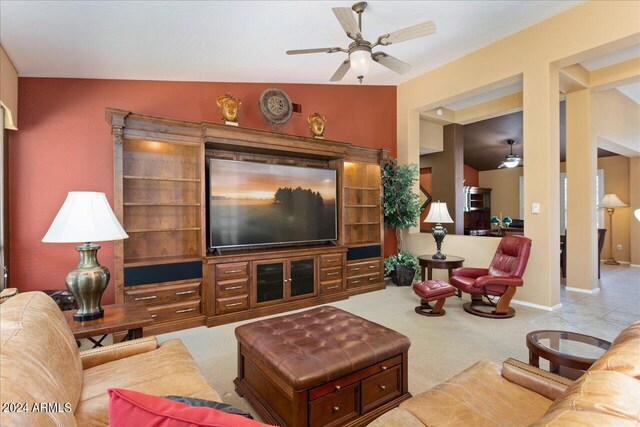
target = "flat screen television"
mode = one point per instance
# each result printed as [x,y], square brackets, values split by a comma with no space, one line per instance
[254,204]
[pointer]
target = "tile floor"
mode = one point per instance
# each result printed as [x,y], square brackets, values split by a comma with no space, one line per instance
[443,346]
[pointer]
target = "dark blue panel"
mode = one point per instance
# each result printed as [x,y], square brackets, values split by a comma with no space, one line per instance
[363,252]
[162,273]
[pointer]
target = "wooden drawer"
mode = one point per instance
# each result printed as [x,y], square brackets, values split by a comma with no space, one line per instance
[331,260]
[356,282]
[236,270]
[163,294]
[230,288]
[333,273]
[178,310]
[361,268]
[381,388]
[335,408]
[232,304]
[331,287]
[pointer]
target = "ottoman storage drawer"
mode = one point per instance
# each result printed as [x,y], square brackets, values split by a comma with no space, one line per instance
[381,388]
[335,408]
[327,388]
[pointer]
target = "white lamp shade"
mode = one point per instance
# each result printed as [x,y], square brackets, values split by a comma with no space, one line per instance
[85,217]
[637,214]
[611,201]
[438,213]
[360,62]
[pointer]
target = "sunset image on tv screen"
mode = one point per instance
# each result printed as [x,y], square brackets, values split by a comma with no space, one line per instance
[257,203]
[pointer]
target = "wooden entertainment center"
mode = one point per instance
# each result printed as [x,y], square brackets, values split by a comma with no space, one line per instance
[160,198]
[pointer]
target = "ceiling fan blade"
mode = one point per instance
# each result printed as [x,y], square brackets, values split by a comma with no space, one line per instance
[501,165]
[341,71]
[408,33]
[316,50]
[348,21]
[391,62]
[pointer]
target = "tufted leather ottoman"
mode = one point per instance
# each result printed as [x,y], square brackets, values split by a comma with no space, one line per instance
[433,290]
[321,367]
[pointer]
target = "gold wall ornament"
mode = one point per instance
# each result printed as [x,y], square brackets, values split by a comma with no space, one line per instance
[229,107]
[317,123]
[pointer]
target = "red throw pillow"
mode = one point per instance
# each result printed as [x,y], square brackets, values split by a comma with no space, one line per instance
[132,409]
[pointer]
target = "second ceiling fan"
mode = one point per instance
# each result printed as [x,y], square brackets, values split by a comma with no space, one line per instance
[360,50]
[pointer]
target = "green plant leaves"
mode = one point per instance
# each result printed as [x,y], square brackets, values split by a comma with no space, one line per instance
[400,205]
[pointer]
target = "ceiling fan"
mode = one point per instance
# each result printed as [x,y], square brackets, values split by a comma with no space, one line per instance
[510,160]
[360,50]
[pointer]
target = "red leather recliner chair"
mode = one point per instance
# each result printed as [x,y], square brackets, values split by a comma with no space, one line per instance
[499,280]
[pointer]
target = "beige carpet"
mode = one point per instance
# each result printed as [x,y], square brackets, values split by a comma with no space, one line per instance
[443,346]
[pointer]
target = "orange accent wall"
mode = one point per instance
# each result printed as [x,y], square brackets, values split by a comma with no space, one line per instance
[471,177]
[64,144]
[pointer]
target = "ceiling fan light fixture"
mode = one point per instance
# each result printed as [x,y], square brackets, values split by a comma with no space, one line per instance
[511,163]
[360,63]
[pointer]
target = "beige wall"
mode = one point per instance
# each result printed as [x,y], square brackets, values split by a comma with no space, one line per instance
[431,137]
[534,57]
[8,90]
[616,122]
[617,180]
[505,190]
[634,203]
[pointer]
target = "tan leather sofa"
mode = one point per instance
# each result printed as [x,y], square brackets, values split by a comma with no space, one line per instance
[40,363]
[517,394]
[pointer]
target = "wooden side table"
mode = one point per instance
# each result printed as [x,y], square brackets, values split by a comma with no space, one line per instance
[428,263]
[130,317]
[565,349]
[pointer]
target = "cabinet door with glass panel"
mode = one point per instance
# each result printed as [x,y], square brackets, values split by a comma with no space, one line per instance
[279,280]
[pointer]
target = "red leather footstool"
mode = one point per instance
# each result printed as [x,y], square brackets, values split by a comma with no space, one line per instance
[433,290]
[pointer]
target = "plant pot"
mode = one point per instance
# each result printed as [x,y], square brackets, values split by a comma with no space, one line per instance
[403,275]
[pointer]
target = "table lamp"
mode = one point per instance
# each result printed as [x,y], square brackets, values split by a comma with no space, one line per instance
[438,215]
[86,217]
[610,202]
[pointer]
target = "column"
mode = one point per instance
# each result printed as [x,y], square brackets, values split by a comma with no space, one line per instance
[582,220]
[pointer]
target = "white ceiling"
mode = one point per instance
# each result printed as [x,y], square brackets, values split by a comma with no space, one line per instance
[612,58]
[242,40]
[632,91]
[486,96]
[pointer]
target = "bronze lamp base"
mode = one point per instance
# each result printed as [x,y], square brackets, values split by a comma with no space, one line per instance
[87,283]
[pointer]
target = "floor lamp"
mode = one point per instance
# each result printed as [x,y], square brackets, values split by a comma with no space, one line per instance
[610,202]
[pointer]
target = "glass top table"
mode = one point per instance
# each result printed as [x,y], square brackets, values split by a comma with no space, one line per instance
[563,348]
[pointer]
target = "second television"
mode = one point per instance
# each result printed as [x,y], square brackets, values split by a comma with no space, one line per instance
[254,204]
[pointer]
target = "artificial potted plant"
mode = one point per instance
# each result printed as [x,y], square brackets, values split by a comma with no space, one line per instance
[401,210]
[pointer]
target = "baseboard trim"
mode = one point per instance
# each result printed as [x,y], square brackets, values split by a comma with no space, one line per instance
[634,265]
[583,291]
[538,306]
[620,262]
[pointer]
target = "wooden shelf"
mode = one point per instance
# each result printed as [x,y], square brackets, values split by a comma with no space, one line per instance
[362,188]
[161,204]
[161,230]
[358,243]
[364,223]
[158,178]
[139,262]
[361,206]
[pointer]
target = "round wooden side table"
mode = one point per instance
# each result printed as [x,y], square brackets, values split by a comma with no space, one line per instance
[428,263]
[567,349]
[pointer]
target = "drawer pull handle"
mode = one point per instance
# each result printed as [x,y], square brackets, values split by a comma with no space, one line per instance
[185,292]
[355,269]
[373,278]
[383,388]
[233,271]
[231,288]
[333,287]
[384,368]
[373,266]
[338,388]
[145,298]
[153,316]
[335,273]
[336,408]
[233,304]
[333,260]
[186,310]
[355,281]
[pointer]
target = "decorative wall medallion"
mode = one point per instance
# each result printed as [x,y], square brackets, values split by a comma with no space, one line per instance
[276,106]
